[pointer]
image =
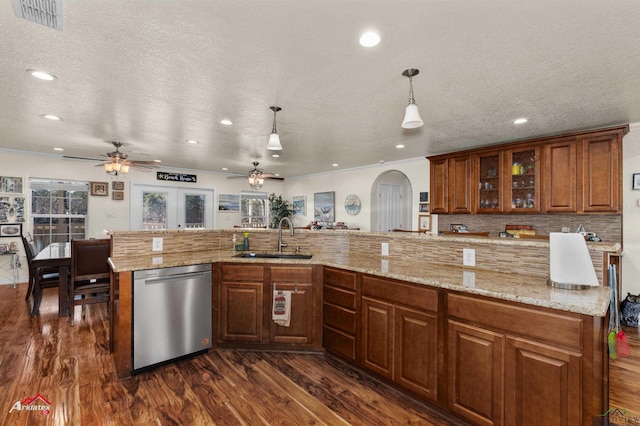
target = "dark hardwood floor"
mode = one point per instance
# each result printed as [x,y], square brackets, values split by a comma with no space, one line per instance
[71,368]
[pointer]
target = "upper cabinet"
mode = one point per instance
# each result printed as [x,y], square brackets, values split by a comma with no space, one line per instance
[573,173]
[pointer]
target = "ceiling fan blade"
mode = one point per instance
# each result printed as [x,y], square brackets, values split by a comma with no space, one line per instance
[273,177]
[71,157]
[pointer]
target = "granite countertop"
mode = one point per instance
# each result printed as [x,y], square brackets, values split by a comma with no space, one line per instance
[525,289]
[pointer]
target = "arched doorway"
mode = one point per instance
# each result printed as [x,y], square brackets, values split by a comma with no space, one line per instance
[392,199]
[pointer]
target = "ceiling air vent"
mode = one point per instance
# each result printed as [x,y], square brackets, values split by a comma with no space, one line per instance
[43,12]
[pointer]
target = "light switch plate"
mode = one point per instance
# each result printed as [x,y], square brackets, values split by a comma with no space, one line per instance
[385,249]
[157,244]
[468,257]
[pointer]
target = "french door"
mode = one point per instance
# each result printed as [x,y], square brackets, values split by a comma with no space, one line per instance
[166,207]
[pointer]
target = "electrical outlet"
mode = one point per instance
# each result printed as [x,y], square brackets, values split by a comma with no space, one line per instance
[468,257]
[157,244]
[385,249]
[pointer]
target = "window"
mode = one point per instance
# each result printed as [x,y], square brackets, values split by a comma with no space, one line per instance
[58,211]
[254,208]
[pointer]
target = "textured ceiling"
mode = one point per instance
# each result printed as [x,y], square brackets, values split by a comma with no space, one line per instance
[153,74]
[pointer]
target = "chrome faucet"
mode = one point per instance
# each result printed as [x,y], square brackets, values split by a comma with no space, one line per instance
[280,243]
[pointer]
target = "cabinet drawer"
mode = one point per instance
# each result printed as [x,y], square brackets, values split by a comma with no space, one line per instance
[340,318]
[340,343]
[340,297]
[404,294]
[237,272]
[291,274]
[542,326]
[340,278]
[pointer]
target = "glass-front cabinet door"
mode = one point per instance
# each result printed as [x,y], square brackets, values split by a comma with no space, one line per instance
[489,199]
[522,185]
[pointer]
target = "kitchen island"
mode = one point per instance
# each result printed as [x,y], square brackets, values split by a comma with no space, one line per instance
[479,343]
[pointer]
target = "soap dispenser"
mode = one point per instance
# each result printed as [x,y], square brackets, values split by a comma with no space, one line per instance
[246,241]
[235,241]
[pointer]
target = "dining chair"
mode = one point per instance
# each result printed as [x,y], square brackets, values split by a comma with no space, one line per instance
[90,273]
[39,278]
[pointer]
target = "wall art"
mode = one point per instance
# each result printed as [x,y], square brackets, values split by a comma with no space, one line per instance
[300,205]
[229,203]
[11,230]
[324,207]
[100,189]
[11,184]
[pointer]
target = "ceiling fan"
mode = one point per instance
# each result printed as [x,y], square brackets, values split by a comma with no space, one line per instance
[118,162]
[256,177]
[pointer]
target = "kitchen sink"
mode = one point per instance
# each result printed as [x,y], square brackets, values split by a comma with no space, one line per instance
[274,255]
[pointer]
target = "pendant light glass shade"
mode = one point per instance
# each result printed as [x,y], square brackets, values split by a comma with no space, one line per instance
[274,139]
[274,142]
[412,118]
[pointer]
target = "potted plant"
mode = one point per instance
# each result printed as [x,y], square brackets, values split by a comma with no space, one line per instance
[278,208]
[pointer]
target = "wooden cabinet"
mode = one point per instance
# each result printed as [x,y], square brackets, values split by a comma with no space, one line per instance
[513,365]
[542,383]
[241,303]
[522,179]
[490,178]
[400,334]
[451,185]
[599,172]
[340,306]
[560,176]
[246,296]
[579,172]
[475,372]
[299,281]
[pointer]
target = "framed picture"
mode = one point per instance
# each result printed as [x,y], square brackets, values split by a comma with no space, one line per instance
[117,186]
[324,207]
[100,189]
[300,205]
[229,203]
[636,181]
[424,222]
[117,195]
[424,197]
[11,184]
[11,230]
[423,208]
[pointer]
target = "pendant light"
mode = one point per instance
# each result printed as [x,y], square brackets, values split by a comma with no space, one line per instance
[412,118]
[274,139]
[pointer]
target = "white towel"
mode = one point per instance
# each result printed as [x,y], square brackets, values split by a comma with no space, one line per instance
[281,314]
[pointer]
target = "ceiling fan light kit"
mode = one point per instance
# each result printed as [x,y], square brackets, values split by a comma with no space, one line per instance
[412,118]
[274,138]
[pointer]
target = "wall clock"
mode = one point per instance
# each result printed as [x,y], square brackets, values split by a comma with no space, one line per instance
[352,204]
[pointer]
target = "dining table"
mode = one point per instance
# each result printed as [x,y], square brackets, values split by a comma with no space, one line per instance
[57,255]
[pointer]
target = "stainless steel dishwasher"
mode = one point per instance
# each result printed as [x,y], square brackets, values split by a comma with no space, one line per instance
[171,313]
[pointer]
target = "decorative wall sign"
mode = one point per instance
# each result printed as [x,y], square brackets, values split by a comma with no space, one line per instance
[117,185]
[324,207]
[300,205]
[352,204]
[11,184]
[100,189]
[176,177]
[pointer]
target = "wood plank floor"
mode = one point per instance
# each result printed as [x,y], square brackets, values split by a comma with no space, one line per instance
[624,375]
[72,369]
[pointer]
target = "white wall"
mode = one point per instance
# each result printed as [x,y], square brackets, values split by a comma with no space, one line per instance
[359,182]
[630,213]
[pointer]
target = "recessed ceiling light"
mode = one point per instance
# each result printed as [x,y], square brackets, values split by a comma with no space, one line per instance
[42,75]
[275,155]
[51,117]
[520,120]
[335,164]
[226,122]
[192,141]
[58,149]
[369,39]
[400,146]
[225,169]
[157,161]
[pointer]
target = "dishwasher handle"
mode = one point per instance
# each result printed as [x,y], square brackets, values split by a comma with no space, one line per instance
[170,278]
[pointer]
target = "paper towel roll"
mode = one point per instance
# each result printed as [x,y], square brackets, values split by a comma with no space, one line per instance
[569,262]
